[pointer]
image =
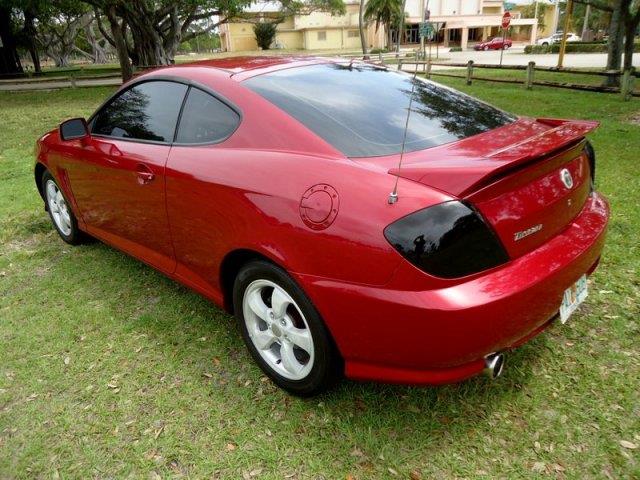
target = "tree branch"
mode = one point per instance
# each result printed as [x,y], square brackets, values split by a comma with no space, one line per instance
[103,31]
[598,4]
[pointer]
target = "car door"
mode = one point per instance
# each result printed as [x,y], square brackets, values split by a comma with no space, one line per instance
[119,184]
[201,198]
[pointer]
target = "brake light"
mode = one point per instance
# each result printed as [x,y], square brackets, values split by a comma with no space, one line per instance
[447,240]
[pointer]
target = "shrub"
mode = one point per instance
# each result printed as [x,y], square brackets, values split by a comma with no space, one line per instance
[455,49]
[375,51]
[265,33]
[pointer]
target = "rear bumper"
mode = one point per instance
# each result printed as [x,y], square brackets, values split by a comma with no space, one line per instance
[410,332]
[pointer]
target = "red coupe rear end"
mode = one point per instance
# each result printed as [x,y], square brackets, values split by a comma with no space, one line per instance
[266,185]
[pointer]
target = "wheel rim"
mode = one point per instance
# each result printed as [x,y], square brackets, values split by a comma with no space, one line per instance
[58,208]
[278,329]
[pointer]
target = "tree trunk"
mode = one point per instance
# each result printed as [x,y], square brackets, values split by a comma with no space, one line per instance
[120,42]
[9,59]
[389,38]
[98,53]
[616,36]
[401,25]
[30,39]
[363,40]
[631,26]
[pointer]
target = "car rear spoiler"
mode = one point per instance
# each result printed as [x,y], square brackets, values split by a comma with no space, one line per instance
[454,175]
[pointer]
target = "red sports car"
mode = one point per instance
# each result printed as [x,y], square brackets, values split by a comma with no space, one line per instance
[347,236]
[496,43]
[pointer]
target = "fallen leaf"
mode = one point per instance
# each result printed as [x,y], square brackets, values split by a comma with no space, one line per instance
[538,467]
[629,445]
[392,471]
[67,360]
[356,452]
[230,447]
[208,375]
[415,475]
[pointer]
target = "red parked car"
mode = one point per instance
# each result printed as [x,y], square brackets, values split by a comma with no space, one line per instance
[264,184]
[496,43]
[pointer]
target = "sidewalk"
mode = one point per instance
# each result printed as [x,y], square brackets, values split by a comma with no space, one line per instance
[23,85]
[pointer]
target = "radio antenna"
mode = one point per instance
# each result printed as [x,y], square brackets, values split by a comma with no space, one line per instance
[393,196]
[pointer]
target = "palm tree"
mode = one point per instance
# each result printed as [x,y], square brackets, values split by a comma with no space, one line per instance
[363,41]
[383,12]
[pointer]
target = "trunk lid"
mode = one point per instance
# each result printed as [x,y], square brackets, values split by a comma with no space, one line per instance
[529,179]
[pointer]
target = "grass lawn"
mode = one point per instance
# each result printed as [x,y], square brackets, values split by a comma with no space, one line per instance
[108,369]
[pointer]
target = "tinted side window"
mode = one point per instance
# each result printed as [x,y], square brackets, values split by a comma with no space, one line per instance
[205,119]
[148,111]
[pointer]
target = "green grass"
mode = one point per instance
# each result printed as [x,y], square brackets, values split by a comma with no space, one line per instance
[108,369]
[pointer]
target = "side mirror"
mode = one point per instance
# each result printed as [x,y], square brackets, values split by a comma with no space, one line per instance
[74,128]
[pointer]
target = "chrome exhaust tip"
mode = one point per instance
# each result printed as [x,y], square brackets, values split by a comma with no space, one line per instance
[493,365]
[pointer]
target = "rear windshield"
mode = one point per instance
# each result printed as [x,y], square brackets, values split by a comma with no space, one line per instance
[362,110]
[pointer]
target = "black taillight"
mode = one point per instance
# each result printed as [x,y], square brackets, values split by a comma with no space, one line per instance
[591,155]
[447,240]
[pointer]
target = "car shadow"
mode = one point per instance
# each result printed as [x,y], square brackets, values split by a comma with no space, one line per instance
[427,410]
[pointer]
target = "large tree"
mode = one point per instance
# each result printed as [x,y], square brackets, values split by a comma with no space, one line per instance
[9,58]
[625,18]
[149,32]
[58,35]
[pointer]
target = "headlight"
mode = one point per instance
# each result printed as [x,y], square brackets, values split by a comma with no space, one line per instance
[447,240]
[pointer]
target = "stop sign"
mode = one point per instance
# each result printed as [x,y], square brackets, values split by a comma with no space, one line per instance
[506,20]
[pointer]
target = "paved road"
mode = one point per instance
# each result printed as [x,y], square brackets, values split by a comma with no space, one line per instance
[41,85]
[516,56]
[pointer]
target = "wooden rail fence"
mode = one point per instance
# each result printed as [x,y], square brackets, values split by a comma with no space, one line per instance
[626,89]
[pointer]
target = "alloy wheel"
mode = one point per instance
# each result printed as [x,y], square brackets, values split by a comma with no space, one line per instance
[278,329]
[58,207]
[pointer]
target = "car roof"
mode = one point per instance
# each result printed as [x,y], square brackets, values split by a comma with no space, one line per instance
[248,66]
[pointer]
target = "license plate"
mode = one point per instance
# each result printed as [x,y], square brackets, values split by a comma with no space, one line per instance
[573,297]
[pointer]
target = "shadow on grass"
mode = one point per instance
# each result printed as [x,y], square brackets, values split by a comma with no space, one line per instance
[392,408]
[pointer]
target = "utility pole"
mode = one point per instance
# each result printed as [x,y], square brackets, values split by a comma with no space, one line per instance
[556,16]
[585,25]
[565,30]
[425,17]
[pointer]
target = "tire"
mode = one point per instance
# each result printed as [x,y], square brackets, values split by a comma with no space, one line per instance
[62,217]
[277,320]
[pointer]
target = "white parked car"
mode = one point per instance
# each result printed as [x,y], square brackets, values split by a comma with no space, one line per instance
[557,38]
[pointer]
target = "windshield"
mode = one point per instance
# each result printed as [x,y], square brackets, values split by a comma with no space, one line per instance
[361,110]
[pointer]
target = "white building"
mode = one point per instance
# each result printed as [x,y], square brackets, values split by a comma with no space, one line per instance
[467,21]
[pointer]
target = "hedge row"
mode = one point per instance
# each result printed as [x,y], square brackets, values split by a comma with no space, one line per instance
[573,47]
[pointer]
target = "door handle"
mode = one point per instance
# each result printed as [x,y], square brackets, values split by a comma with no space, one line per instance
[144,173]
